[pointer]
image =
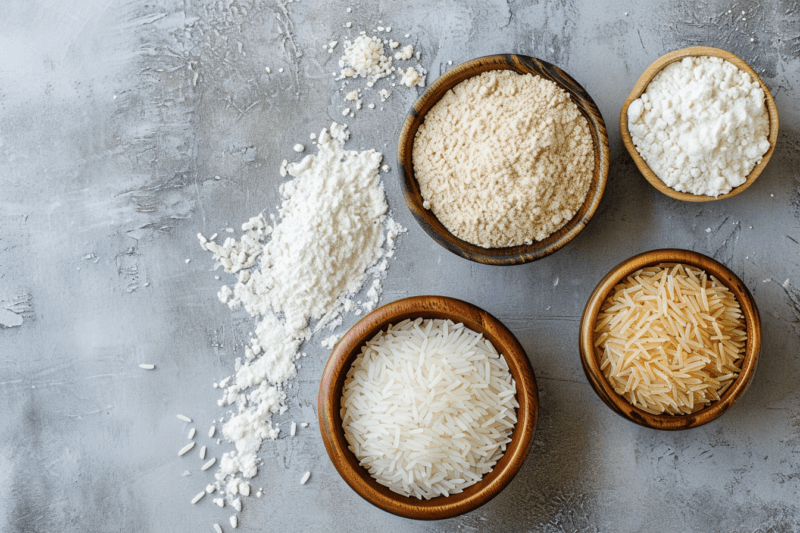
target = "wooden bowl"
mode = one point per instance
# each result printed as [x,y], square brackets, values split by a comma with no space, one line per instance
[515,254]
[642,84]
[620,405]
[330,394]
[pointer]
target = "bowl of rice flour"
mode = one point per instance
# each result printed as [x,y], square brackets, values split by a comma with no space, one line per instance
[427,407]
[504,159]
[700,124]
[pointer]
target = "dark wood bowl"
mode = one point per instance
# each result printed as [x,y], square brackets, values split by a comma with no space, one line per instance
[515,254]
[619,404]
[642,84]
[330,394]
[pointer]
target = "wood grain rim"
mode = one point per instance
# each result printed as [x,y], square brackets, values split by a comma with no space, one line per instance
[642,84]
[330,392]
[620,405]
[516,254]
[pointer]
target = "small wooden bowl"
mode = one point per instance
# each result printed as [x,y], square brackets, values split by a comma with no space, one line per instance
[620,405]
[330,394]
[642,84]
[515,254]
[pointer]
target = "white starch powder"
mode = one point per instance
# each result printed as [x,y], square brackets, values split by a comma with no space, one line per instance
[333,234]
[701,125]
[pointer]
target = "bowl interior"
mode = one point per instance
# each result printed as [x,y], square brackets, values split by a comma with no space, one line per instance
[330,393]
[619,404]
[645,80]
[516,254]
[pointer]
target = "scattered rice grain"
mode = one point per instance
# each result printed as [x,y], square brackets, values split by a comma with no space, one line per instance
[186,448]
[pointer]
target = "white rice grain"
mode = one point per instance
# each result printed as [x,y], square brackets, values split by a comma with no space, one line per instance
[186,448]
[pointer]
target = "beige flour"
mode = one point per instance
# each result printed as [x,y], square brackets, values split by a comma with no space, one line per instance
[504,159]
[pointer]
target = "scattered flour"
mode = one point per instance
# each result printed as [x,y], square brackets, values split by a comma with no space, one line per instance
[354,96]
[330,342]
[405,53]
[366,57]
[411,77]
[333,232]
[701,125]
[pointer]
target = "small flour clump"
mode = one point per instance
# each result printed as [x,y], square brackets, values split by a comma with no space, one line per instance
[701,125]
[332,234]
[405,53]
[354,96]
[364,57]
[411,77]
[504,159]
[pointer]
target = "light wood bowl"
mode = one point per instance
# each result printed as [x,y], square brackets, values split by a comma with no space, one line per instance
[330,394]
[642,84]
[515,254]
[619,404]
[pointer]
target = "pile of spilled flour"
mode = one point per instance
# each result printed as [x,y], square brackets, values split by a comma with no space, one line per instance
[297,274]
[366,56]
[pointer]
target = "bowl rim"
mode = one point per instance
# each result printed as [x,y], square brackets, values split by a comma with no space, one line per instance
[515,254]
[334,375]
[644,80]
[620,405]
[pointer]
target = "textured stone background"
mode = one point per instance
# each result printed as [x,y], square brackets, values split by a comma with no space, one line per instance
[115,117]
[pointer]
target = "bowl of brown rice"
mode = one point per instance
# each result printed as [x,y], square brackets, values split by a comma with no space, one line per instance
[670,339]
[427,407]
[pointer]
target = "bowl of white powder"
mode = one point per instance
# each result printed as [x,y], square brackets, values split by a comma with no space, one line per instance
[427,407]
[504,159]
[700,124]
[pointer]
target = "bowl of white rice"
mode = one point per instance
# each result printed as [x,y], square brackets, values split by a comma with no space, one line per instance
[670,339]
[427,407]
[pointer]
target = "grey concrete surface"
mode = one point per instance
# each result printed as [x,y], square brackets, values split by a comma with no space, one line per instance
[115,118]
